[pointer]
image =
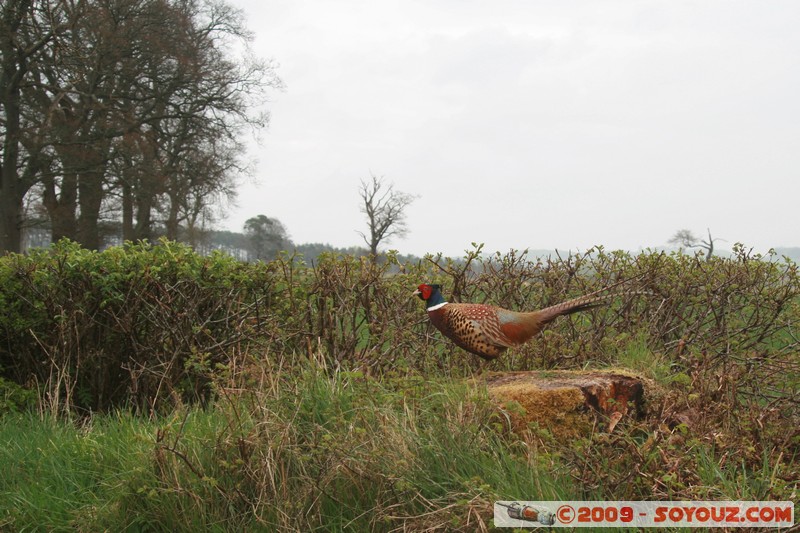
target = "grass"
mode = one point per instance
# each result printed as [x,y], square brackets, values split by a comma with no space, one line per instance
[636,356]
[315,450]
[322,453]
[58,476]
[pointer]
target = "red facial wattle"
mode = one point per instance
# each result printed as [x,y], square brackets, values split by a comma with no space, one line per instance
[425,291]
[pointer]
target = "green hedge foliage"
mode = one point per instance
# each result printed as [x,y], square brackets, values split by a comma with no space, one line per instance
[132,325]
[147,326]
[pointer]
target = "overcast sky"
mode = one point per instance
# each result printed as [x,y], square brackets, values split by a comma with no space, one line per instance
[532,124]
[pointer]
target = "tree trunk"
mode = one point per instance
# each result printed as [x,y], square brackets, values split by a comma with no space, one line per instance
[90,198]
[10,197]
[172,219]
[569,404]
[10,213]
[61,208]
[13,71]
[127,212]
[144,209]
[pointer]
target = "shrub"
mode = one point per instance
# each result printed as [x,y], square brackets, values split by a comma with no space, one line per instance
[144,324]
[134,325]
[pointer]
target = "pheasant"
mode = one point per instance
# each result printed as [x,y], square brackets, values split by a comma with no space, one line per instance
[488,331]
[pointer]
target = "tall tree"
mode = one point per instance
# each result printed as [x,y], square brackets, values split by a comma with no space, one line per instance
[266,237]
[134,96]
[385,210]
[28,33]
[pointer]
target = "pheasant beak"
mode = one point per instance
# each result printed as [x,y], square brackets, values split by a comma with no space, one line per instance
[416,293]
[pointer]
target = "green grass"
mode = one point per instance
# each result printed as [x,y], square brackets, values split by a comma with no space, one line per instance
[60,477]
[324,453]
[635,355]
[735,481]
[338,451]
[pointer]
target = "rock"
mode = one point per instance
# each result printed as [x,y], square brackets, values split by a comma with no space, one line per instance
[567,403]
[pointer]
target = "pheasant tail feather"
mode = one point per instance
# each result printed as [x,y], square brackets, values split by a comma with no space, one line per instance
[595,299]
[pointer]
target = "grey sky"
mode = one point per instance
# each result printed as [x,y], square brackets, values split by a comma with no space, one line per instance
[532,124]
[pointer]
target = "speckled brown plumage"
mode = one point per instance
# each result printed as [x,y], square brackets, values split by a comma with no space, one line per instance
[487,330]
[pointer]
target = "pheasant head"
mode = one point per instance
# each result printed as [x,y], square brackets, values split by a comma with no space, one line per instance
[431,294]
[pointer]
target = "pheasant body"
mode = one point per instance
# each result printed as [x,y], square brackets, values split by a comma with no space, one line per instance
[487,330]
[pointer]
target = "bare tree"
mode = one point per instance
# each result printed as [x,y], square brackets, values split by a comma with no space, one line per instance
[687,239]
[385,209]
[684,238]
